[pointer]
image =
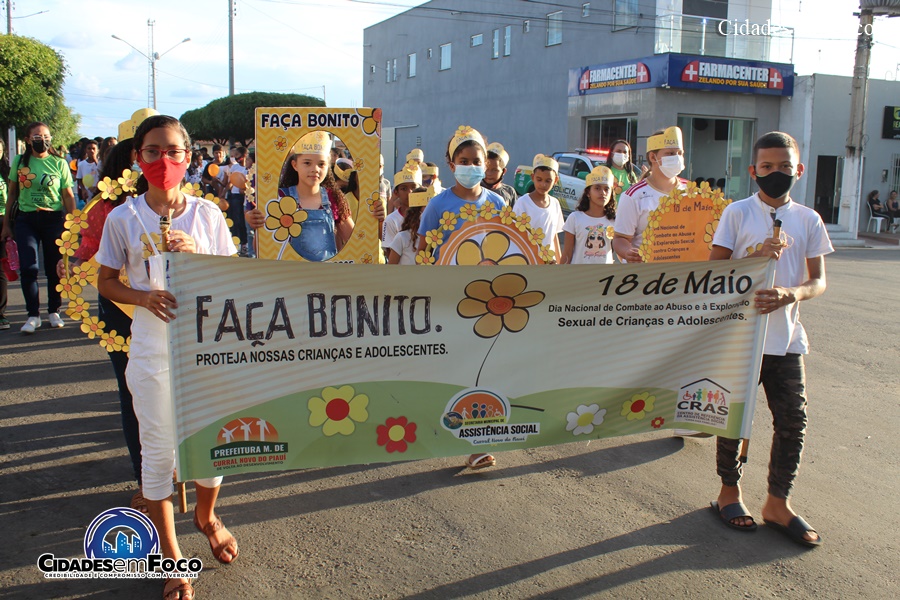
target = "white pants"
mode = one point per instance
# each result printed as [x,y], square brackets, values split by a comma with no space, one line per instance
[148,380]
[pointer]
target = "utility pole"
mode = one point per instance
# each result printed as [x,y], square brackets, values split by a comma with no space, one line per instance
[151,85]
[8,17]
[231,11]
[851,188]
[11,147]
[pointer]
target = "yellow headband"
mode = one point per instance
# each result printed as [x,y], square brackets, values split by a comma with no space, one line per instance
[601,174]
[545,161]
[464,133]
[415,154]
[342,173]
[421,198]
[315,142]
[426,170]
[410,173]
[670,138]
[127,128]
[498,149]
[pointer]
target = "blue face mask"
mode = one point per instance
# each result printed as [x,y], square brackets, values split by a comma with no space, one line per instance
[135,167]
[469,176]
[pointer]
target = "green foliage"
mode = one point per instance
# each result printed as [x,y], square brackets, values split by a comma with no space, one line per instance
[232,117]
[31,80]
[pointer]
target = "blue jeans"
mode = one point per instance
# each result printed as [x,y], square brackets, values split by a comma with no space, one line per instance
[43,228]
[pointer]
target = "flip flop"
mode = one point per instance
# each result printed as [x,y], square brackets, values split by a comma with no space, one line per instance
[139,503]
[183,591]
[480,461]
[230,545]
[795,530]
[731,512]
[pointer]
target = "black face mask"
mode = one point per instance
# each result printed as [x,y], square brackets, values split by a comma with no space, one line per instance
[40,146]
[776,184]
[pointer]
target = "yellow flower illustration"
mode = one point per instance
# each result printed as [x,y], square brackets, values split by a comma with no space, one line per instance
[366,259]
[434,237]
[111,341]
[148,243]
[78,309]
[610,232]
[68,243]
[69,288]
[83,273]
[547,254]
[337,410]
[25,177]
[373,201]
[284,218]
[360,235]
[523,222]
[423,257]
[507,216]
[371,119]
[536,236]
[638,406]
[710,232]
[617,189]
[498,304]
[212,198]
[487,211]
[654,219]
[491,251]
[76,221]
[92,327]
[192,189]
[267,177]
[448,220]
[109,189]
[752,249]
[128,180]
[469,212]
[358,164]
[280,143]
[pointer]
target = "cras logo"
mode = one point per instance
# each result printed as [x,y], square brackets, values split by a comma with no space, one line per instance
[121,533]
[703,402]
[481,416]
[246,441]
[120,543]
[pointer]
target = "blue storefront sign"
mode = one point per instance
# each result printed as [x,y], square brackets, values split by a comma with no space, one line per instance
[684,71]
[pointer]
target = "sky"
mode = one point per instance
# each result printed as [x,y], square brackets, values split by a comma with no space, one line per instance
[277,50]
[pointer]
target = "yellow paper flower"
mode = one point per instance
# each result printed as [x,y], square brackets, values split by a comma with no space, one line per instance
[111,341]
[710,232]
[128,180]
[76,221]
[338,410]
[487,211]
[610,232]
[83,274]
[491,251]
[78,309]
[371,119]
[654,218]
[109,189]
[69,288]
[638,406]
[469,212]
[284,218]
[507,216]
[498,304]
[423,257]
[68,243]
[92,327]
[547,254]
[25,177]
[448,221]
[434,237]
[192,189]
[280,143]
[523,222]
[536,236]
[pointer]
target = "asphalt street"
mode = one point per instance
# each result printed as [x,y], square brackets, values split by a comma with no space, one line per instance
[619,518]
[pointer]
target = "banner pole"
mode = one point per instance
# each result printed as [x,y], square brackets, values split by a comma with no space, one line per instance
[759,339]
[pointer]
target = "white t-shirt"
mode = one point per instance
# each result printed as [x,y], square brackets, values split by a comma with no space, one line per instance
[392,224]
[592,244]
[743,228]
[88,168]
[549,220]
[635,205]
[121,245]
[402,245]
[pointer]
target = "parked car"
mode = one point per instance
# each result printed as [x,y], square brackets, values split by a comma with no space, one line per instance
[573,168]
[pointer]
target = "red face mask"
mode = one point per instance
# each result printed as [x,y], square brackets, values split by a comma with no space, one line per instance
[163,173]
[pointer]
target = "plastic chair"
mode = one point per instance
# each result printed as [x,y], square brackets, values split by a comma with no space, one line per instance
[872,218]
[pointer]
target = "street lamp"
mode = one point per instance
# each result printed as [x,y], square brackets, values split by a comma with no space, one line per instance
[154,56]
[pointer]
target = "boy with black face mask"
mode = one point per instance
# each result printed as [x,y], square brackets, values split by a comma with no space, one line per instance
[770,224]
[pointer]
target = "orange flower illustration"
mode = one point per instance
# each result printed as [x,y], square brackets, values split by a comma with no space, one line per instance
[280,143]
[498,304]
[371,119]
[25,177]
[284,218]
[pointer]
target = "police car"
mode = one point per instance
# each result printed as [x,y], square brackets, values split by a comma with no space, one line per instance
[573,168]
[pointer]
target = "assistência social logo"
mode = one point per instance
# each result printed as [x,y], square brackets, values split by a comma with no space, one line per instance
[120,543]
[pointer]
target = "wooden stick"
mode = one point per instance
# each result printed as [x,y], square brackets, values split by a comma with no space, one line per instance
[182,497]
[745,447]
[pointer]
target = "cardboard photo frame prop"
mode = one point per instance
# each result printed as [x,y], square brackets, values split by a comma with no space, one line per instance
[277,130]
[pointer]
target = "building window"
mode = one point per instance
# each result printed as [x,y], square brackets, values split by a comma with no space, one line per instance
[526,26]
[495,44]
[396,73]
[554,28]
[627,14]
[445,56]
[507,40]
[387,72]
[371,69]
[586,9]
[411,65]
[477,40]
[428,54]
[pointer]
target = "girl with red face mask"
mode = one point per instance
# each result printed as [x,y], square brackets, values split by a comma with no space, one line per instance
[131,234]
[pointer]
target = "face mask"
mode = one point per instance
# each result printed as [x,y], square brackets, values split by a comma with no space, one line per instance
[469,176]
[776,184]
[163,173]
[39,146]
[135,167]
[619,159]
[671,166]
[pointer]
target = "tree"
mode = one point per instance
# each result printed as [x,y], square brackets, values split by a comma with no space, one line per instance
[233,117]
[31,81]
